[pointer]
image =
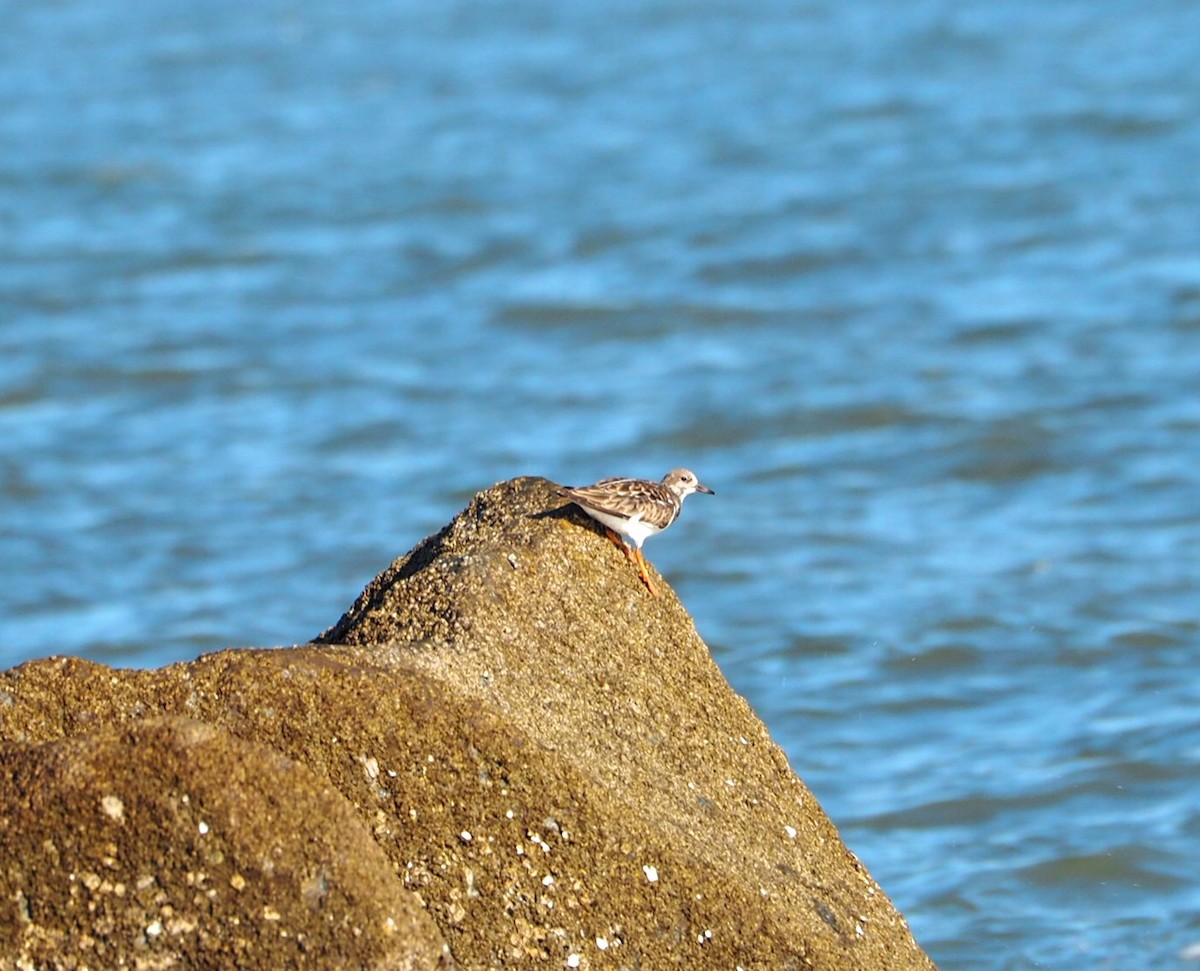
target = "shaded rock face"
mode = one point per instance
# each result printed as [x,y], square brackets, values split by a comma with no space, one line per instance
[546,755]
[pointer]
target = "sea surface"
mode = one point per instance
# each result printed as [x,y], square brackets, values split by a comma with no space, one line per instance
[914,287]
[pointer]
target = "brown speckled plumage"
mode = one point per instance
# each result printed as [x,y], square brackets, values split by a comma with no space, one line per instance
[636,509]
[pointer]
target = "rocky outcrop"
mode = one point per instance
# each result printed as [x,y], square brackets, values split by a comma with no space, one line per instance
[168,842]
[506,747]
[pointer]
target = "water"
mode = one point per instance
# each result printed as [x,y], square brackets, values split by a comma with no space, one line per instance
[916,288]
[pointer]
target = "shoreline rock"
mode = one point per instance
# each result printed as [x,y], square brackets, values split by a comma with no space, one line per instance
[549,758]
[168,842]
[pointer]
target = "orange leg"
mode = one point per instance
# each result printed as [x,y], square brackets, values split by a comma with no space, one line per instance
[621,544]
[641,563]
[634,556]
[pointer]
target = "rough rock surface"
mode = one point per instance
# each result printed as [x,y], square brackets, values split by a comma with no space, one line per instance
[169,843]
[547,755]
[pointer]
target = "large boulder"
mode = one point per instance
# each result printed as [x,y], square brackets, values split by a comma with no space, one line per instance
[547,755]
[168,842]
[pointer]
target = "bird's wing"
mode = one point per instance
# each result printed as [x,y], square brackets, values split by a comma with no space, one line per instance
[652,502]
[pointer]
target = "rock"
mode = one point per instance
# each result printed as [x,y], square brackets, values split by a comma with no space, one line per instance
[170,843]
[547,755]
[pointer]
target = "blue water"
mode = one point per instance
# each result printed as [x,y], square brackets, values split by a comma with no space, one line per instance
[915,288]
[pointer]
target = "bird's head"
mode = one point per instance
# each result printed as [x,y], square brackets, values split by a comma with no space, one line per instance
[683,482]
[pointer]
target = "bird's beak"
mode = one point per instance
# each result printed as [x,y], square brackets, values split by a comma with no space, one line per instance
[705,489]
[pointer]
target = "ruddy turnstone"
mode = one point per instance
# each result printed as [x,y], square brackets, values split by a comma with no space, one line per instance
[636,509]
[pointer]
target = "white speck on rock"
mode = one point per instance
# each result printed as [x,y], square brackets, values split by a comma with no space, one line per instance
[154,929]
[791,831]
[113,807]
[465,836]
[573,960]
[602,943]
[203,827]
[651,873]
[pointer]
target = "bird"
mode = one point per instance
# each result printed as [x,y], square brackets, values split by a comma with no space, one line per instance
[633,510]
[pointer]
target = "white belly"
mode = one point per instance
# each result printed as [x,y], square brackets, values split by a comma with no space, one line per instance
[634,530]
